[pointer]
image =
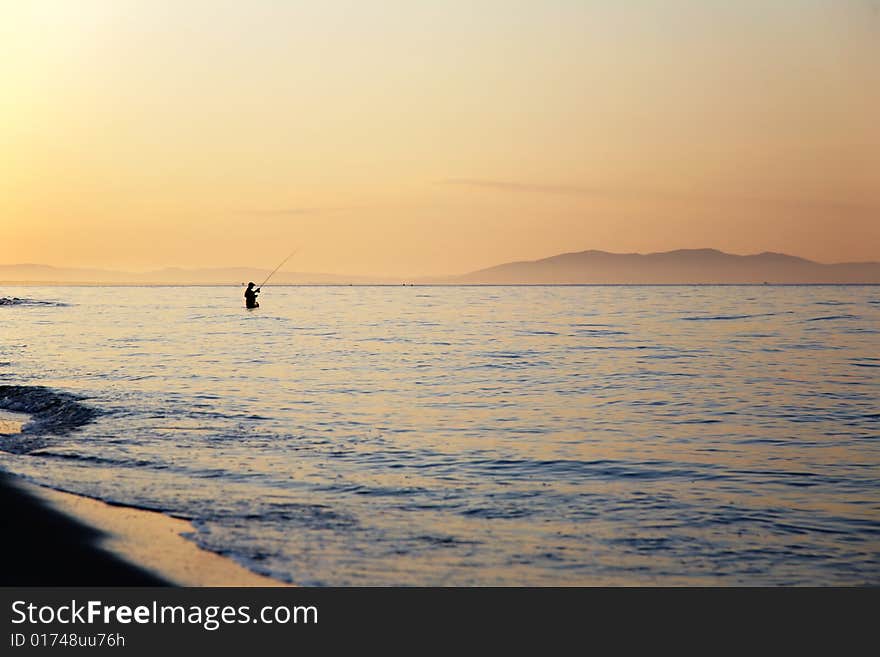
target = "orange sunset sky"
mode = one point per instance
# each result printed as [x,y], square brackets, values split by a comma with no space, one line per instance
[415,137]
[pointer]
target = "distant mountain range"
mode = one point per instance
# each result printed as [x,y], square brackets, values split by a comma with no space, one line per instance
[585,267]
[670,267]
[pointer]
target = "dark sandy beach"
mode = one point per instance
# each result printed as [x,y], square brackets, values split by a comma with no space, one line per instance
[52,538]
[42,547]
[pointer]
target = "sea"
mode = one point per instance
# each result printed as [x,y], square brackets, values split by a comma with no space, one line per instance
[468,436]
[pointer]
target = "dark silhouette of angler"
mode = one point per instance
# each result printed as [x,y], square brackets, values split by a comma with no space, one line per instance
[250,296]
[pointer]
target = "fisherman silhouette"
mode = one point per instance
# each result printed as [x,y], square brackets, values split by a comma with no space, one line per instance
[250,296]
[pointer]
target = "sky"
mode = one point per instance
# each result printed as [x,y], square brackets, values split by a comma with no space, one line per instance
[409,137]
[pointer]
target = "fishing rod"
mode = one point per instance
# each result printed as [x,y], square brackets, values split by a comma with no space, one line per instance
[293,253]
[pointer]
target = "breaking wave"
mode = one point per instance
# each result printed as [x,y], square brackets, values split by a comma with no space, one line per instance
[52,413]
[18,301]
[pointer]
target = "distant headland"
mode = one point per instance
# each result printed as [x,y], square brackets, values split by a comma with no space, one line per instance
[684,266]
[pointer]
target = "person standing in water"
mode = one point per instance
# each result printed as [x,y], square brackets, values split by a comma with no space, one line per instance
[250,296]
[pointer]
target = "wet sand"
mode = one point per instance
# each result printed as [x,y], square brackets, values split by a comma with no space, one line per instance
[43,547]
[52,538]
[154,541]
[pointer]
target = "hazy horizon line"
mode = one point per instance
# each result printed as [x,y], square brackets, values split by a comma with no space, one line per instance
[168,267]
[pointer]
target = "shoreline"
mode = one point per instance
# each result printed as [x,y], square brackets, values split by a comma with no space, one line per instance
[150,540]
[56,538]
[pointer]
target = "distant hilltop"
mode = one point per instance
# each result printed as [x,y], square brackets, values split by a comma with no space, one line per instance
[670,267]
[684,266]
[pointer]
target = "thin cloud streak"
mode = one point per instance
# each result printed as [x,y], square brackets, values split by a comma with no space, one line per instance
[281,211]
[608,192]
[284,212]
[528,187]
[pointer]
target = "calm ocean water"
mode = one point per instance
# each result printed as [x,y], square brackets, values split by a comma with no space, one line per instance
[469,435]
